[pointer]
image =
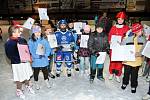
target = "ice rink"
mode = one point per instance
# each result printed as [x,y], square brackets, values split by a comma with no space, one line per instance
[74,88]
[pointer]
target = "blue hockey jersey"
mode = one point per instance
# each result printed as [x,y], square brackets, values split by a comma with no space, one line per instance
[65,39]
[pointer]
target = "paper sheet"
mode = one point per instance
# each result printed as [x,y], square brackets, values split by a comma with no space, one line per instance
[24,53]
[29,23]
[123,53]
[78,26]
[146,50]
[146,29]
[40,49]
[84,41]
[115,40]
[101,58]
[52,41]
[43,14]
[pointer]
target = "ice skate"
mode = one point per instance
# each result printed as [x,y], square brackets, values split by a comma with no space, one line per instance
[123,87]
[47,83]
[51,75]
[118,79]
[58,75]
[91,81]
[30,89]
[37,85]
[111,76]
[133,90]
[76,69]
[81,73]
[146,97]
[101,78]
[69,73]
[20,94]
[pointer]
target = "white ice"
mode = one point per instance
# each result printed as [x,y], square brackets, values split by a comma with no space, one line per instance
[73,88]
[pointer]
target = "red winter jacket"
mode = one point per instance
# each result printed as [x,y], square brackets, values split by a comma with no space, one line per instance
[118,31]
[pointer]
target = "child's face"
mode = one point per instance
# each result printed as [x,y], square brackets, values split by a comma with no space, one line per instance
[86,31]
[105,14]
[37,34]
[139,33]
[120,20]
[99,29]
[49,31]
[16,33]
[70,25]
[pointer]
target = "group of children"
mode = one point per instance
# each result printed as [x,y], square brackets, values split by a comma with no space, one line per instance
[68,51]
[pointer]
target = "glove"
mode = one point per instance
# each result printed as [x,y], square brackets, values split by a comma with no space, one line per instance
[74,31]
[59,48]
[96,53]
[108,51]
[50,57]
[72,47]
[41,56]
[81,30]
[138,54]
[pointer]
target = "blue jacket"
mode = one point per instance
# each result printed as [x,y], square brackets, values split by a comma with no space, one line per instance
[39,60]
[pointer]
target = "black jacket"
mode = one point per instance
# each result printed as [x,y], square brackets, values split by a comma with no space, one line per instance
[98,42]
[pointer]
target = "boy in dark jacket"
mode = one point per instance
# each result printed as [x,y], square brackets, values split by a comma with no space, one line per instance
[98,42]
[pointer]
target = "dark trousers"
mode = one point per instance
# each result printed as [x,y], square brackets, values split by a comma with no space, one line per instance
[131,73]
[1,37]
[37,70]
[149,89]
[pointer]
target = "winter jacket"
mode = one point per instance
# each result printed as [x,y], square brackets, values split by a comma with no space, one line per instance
[118,31]
[98,42]
[39,60]
[139,42]
[11,49]
[83,52]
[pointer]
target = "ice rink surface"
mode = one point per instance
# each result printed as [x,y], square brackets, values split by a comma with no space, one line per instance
[74,88]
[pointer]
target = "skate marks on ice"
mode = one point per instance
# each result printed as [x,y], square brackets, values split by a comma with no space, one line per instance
[71,88]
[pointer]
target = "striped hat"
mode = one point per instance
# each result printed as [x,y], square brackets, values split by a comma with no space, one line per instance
[136,27]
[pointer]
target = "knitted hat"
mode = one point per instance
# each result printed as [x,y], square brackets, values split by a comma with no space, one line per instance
[87,28]
[69,21]
[36,29]
[121,15]
[16,24]
[136,27]
[102,25]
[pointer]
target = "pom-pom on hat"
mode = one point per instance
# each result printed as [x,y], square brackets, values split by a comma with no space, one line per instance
[16,24]
[121,15]
[136,27]
[36,29]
